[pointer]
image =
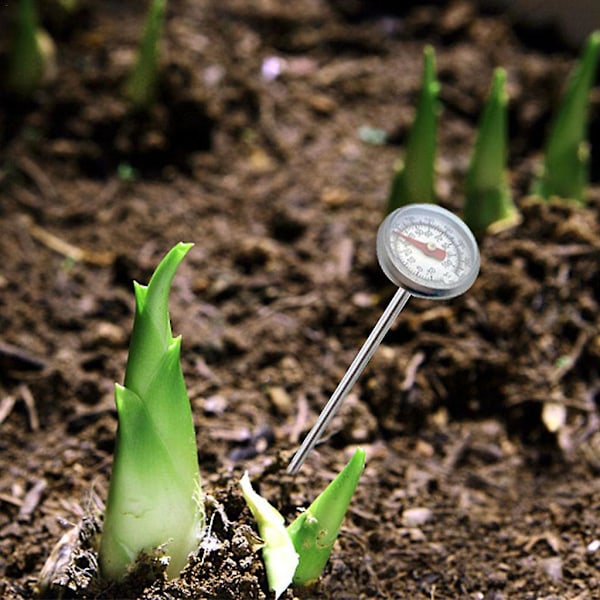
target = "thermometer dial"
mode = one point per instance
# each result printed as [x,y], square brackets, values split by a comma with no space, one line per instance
[428,251]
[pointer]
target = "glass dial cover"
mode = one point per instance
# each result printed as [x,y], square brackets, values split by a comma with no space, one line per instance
[428,251]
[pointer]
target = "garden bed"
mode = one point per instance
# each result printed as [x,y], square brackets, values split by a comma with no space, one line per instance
[257,151]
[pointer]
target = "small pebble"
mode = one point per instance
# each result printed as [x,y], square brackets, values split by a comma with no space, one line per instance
[281,400]
[553,568]
[372,135]
[215,405]
[334,196]
[593,546]
[416,535]
[414,517]
[364,300]
[111,334]
[271,68]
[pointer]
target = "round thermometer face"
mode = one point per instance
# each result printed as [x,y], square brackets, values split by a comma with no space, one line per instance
[428,251]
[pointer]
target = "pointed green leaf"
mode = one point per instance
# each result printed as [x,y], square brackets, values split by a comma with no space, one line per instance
[315,530]
[278,553]
[151,334]
[566,155]
[488,201]
[414,178]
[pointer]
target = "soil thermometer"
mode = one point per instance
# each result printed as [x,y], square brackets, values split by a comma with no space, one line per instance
[427,252]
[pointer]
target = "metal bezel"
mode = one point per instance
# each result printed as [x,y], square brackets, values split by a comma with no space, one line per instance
[397,272]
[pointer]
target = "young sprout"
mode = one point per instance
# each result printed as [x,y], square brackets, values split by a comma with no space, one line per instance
[414,178]
[141,86]
[564,171]
[316,529]
[155,498]
[32,55]
[488,201]
[299,553]
[278,552]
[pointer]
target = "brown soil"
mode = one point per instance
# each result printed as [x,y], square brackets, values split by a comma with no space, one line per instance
[273,183]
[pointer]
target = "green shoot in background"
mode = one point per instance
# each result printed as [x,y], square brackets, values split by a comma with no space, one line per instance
[142,84]
[69,6]
[564,171]
[414,177]
[155,497]
[299,553]
[31,57]
[488,201]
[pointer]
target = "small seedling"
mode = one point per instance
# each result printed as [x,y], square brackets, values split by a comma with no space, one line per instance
[155,499]
[564,171]
[142,84]
[299,553]
[414,177]
[32,55]
[488,201]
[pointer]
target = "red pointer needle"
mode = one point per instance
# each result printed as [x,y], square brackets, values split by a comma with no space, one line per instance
[429,249]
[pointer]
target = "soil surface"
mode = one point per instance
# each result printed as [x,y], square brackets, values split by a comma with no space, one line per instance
[479,415]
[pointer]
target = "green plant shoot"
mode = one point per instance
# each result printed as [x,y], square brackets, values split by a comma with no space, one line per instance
[142,84]
[488,201]
[31,58]
[155,499]
[564,171]
[414,177]
[278,552]
[299,553]
[315,530]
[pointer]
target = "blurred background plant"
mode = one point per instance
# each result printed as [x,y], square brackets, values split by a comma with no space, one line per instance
[142,85]
[31,55]
[565,169]
[488,203]
[414,176]
[488,200]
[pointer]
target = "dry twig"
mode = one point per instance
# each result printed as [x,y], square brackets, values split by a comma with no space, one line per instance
[32,500]
[75,253]
[29,400]
[6,405]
